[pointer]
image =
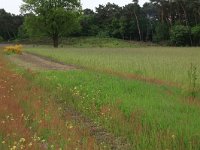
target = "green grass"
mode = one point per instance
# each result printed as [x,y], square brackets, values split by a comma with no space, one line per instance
[146,114]
[165,63]
[150,116]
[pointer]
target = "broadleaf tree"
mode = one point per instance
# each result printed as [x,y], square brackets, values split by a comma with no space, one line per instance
[52,18]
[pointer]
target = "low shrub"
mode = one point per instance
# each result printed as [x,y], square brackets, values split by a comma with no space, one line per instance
[196,34]
[15,49]
[1,39]
[180,35]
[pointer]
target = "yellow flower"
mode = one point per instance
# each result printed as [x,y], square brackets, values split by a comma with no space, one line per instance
[173,136]
[30,144]
[22,140]
[16,49]
[3,142]
[22,146]
[69,125]
[14,147]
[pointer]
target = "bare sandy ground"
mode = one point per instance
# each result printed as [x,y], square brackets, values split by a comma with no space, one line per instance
[33,62]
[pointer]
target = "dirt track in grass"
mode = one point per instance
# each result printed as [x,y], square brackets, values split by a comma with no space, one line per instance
[22,105]
[37,62]
[33,62]
[26,115]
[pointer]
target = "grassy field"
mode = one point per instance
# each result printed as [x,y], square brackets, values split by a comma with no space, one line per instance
[150,116]
[169,64]
[31,119]
[133,92]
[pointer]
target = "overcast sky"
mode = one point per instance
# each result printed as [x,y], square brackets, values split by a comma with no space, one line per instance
[12,6]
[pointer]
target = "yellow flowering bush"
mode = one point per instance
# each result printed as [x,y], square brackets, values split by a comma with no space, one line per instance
[15,49]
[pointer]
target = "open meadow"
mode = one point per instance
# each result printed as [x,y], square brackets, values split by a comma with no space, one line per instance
[147,97]
[162,63]
[100,75]
[150,95]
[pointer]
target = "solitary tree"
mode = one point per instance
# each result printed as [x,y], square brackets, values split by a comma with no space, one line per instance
[53,18]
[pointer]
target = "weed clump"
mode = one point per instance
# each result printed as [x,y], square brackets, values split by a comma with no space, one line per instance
[192,74]
[15,49]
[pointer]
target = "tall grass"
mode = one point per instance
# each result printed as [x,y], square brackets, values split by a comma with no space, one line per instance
[149,116]
[170,64]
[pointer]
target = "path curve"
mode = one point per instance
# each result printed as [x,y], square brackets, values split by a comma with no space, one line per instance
[33,62]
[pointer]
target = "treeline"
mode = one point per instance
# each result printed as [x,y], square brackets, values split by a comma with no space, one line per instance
[9,25]
[175,22]
[171,22]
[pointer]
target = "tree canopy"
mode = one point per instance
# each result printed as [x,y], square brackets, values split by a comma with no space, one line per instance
[152,22]
[9,25]
[156,21]
[53,18]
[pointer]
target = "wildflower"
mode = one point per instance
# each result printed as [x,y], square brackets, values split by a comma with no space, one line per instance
[22,146]
[69,125]
[3,142]
[14,147]
[17,49]
[173,136]
[22,140]
[52,146]
[30,144]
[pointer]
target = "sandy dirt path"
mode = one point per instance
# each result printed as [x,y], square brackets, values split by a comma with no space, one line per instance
[33,62]
[95,133]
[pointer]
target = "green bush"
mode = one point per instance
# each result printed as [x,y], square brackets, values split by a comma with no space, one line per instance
[1,39]
[196,34]
[162,33]
[180,35]
[103,34]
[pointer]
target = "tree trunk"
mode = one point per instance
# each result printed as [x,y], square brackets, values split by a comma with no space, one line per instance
[55,41]
[186,21]
[170,13]
[162,15]
[138,25]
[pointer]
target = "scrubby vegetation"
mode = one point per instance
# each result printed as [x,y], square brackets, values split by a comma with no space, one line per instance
[15,49]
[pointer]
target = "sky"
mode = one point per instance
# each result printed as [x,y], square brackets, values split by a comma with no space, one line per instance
[12,6]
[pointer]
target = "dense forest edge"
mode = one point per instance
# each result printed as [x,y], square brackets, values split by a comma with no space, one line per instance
[166,22]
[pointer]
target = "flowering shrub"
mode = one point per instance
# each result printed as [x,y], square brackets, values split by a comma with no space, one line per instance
[15,49]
